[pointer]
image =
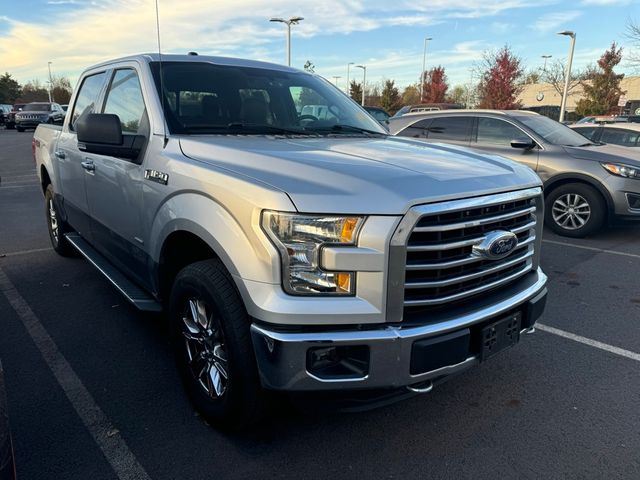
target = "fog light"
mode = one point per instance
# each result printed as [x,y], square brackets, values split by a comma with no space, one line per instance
[338,362]
[634,201]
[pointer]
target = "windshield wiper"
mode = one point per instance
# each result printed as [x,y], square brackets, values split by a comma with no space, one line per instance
[348,128]
[247,128]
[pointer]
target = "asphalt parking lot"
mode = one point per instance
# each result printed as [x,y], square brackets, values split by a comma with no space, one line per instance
[91,380]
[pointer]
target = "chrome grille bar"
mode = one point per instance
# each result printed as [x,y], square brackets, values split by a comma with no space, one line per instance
[476,223]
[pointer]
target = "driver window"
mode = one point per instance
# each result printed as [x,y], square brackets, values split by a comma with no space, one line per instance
[498,132]
[125,100]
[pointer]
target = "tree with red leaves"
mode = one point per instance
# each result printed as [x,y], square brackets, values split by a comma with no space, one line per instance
[602,85]
[500,81]
[434,87]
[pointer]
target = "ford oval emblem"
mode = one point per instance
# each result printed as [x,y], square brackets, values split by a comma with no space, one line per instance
[496,245]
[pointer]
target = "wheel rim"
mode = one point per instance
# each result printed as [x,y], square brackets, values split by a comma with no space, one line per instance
[571,211]
[204,343]
[53,221]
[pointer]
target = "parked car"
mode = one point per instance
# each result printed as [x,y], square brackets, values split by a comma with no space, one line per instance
[10,123]
[7,462]
[623,134]
[36,113]
[427,107]
[4,113]
[380,114]
[291,252]
[586,184]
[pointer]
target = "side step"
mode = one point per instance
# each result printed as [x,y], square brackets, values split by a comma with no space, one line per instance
[136,295]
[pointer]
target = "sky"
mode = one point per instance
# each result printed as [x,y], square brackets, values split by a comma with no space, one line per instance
[386,36]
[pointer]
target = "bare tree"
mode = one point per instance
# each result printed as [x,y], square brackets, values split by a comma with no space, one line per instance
[554,75]
[633,34]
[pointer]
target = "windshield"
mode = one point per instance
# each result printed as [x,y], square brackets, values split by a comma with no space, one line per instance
[203,98]
[553,132]
[36,107]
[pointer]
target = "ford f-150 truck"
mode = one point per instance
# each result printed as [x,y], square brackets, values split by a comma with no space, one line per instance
[289,252]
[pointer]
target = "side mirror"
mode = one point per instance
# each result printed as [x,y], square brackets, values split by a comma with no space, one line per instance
[101,133]
[524,144]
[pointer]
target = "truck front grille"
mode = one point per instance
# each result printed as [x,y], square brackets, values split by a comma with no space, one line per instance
[440,266]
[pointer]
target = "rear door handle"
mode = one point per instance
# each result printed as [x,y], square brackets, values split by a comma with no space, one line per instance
[88,165]
[59,154]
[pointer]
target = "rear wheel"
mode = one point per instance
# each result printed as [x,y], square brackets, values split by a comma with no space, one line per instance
[575,210]
[57,227]
[212,346]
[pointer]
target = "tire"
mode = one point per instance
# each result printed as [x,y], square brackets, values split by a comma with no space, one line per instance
[575,210]
[56,226]
[20,129]
[216,362]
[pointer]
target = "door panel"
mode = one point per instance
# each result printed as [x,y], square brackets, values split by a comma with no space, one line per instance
[114,189]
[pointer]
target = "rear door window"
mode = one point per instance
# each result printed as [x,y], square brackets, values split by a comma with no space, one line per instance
[87,97]
[457,129]
[589,132]
[620,136]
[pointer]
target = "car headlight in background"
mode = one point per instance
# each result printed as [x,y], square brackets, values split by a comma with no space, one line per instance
[622,170]
[300,238]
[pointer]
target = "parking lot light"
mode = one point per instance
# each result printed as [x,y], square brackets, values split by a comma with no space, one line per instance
[424,65]
[288,23]
[348,85]
[364,80]
[567,73]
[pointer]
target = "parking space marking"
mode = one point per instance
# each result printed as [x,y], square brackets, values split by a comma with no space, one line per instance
[24,252]
[113,446]
[592,343]
[20,186]
[593,249]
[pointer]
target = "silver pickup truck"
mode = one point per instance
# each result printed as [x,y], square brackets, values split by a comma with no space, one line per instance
[290,251]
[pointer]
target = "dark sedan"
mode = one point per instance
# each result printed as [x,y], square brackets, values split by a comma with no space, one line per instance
[36,113]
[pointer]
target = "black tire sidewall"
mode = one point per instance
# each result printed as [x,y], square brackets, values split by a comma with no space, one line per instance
[596,203]
[209,280]
[61,246]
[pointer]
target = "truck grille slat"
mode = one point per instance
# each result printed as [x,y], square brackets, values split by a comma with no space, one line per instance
[440,264]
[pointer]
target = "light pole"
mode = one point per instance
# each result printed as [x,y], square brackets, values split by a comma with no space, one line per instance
[567,73]
[348,85]
[546,57]
[288,23]
[50,82]
[364,80]
[424,63]
[335,79]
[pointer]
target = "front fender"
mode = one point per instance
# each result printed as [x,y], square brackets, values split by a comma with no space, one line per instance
[246,252]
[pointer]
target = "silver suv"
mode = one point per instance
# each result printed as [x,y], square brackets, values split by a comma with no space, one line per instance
[586,184]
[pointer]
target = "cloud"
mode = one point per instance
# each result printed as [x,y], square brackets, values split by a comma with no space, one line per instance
[91,31]
[554,20]
[606,2]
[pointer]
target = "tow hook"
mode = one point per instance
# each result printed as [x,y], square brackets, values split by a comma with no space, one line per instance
[530,330]
[424,387]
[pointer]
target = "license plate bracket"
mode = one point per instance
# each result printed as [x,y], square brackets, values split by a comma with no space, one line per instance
[500,335]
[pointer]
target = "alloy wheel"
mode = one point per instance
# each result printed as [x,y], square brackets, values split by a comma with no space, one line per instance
[204,342]
[571,211]
[53,221]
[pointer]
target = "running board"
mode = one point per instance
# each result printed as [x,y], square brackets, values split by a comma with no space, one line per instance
[136,295]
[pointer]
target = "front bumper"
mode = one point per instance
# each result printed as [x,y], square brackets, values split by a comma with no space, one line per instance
[283,356]
[625,193]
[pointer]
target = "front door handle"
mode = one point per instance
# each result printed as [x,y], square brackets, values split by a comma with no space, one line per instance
[88,165]
[59,154]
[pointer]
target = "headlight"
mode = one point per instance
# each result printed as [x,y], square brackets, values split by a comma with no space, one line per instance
[622,170]
[300,238]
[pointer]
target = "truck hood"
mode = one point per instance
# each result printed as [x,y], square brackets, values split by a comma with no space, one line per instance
[32,112]
[606,153]
[360,175]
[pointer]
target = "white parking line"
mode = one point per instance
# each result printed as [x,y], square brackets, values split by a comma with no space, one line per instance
[113,446]
[24,252]
[592,343]
[593,249]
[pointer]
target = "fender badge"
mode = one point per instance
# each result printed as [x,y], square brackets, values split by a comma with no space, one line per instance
[156,176]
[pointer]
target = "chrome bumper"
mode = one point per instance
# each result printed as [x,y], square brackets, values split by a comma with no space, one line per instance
[282,356]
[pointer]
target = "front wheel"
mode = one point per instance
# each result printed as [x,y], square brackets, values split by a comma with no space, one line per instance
[575,210]
[57,227]
[212,346]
